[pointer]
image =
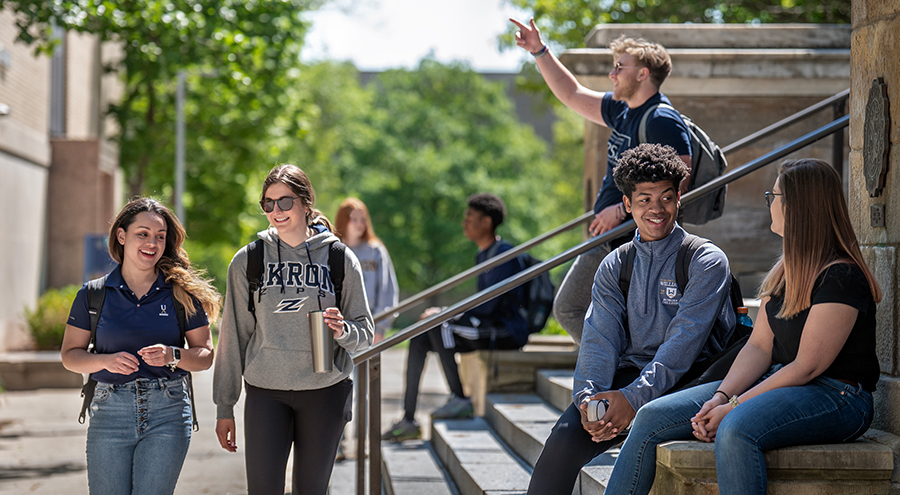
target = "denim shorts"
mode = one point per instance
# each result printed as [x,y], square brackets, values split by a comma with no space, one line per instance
[138,436]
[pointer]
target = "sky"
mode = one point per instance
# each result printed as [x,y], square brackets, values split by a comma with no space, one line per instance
[383,34]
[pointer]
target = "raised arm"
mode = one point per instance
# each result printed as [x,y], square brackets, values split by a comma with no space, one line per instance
[571,93]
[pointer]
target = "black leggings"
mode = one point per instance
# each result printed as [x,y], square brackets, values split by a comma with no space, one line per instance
[431,340]
[311,420]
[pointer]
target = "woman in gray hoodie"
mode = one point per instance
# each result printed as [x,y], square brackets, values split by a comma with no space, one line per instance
[269,347]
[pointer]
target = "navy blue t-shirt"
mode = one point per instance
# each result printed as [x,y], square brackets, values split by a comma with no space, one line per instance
[663,127]
[128,324]
[503,309]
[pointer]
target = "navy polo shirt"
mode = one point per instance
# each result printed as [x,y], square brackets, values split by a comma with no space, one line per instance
[130,324]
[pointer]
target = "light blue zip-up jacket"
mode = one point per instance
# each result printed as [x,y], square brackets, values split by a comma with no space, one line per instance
[668,330]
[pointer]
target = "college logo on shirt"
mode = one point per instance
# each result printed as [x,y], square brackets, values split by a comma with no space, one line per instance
[617,144]
[162,310]
[668,289]
[290,305]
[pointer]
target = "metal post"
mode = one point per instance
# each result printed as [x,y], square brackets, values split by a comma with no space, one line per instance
[179,147]
[375,425]
[837,150]
[362,400]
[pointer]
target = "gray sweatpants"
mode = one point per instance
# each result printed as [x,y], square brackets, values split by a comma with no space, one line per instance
[574,295]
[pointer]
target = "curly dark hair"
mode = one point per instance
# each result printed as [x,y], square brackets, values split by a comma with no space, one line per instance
[648,163]
[490,205]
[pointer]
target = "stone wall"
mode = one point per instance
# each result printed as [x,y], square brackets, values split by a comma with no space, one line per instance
[875,54]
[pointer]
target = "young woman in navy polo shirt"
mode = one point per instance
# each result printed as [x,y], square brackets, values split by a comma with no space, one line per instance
[140,425]
[269,350]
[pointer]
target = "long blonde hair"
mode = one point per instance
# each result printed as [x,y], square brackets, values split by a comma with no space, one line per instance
[817,234]
[175,265]
[342,219]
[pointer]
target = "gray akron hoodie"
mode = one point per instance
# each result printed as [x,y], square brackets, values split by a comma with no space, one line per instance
[273,350]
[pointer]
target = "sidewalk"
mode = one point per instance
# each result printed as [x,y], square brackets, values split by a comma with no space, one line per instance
[42,444]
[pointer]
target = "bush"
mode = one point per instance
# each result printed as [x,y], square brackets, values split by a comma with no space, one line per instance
[47,323]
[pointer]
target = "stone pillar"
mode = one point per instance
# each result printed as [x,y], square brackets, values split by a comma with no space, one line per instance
[732,80]
[875,54]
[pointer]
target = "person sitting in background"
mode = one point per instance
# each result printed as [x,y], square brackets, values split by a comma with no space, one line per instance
[495,324]
[809,369]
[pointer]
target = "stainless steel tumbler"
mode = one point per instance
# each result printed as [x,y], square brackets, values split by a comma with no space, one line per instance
[322,342]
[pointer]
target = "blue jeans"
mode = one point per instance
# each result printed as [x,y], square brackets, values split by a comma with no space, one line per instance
[138,437]
[824,410]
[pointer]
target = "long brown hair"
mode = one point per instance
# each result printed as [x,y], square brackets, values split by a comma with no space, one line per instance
[298,182]
[342,219]
[817,234]
[176,267]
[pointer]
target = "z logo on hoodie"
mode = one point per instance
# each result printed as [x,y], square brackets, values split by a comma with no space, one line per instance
[290,305]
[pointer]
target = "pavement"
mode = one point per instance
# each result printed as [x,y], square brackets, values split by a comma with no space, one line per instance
[42,444]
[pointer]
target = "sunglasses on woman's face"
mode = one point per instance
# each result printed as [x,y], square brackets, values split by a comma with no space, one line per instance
[284,204]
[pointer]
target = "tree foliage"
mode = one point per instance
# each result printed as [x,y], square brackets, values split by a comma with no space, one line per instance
[413,145]
[567,22]
[238,55]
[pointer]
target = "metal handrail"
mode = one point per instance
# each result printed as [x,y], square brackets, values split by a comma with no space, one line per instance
[460,278]
[481,267]
[370,374]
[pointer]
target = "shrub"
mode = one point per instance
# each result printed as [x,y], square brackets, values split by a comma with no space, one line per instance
[47,323]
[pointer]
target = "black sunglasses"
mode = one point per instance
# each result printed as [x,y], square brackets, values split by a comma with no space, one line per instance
[770,197]
[284,204]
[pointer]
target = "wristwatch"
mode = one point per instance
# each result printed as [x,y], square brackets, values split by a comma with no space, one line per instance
[176,356]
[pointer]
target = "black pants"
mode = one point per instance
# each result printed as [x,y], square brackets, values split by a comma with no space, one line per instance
[311,420]
[419,347]
[570,447]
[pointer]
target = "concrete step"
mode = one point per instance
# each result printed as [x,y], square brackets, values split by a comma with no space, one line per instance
[555,387]
[524,421]
[477,460]
[412,468]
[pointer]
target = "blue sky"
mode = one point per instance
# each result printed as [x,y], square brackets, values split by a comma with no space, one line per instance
[382,34]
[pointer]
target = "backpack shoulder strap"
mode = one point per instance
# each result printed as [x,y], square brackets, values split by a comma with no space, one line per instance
[689,245]
[254,271]
[336,267]
[181,315]
[96,294]
[626,254]
[642,128]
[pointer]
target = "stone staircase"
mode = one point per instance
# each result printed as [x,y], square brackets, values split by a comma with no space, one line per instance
[495,455]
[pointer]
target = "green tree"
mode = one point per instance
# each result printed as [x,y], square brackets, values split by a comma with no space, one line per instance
[431,137]
[567,22]
[240,56]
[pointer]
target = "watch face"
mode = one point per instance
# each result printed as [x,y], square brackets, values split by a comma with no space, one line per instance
[177,353]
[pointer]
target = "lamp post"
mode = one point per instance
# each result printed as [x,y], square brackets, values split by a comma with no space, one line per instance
[179,148]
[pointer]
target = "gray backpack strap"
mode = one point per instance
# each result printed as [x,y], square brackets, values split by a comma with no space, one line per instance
[642,128]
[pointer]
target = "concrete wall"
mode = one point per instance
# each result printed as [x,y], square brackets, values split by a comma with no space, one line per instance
[732,81]
[51,195]
[24,162]
[876,51]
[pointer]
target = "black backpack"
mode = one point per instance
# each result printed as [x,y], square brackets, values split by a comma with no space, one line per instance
[689,246]
[96,294]
[255,270]
[707,163]
[538,297]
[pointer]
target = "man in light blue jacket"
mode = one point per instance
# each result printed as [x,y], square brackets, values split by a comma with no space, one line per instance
[634,352]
